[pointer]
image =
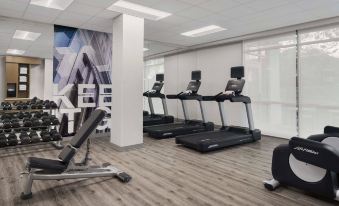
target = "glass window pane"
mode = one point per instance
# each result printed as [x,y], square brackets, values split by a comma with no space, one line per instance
[153,67]
[319,85]
[271,83]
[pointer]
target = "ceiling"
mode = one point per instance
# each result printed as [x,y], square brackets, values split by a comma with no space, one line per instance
[238,16]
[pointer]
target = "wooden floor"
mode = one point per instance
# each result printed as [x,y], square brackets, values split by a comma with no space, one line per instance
[163,174]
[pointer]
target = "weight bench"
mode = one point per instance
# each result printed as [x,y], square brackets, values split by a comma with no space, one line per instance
[65,167]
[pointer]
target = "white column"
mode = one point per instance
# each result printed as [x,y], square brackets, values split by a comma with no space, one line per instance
[127,81]
[48,79]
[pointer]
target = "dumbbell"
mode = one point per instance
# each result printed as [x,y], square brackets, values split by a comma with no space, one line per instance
[34,106]
[15,124]
[53,105]
[38,115]
[35,122]
[7,124]
[34,137]
[24,138]
[20,115]
[3,140]
[6,116]
[46,104]
[27,115]
[45,136]
[24,106]
[19,106]
[55,121]
[12,140]
[27,122]
[55,135]
[7,107]
[46,121]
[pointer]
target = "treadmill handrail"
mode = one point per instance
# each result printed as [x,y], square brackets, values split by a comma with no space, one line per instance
[211,98]
[154,94]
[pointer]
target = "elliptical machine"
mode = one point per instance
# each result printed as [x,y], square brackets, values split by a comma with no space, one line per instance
[309,164]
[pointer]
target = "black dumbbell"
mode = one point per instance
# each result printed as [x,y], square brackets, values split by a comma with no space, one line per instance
[34,106]
[3,140]
[27,115]
[27,122]
[38,115]
[34,137]
[12,140]
[24,106]
[15,124]
[20,115]
[45,136]
[35,122]
[7,124]
[55,136]
[19,107]
[46,121]
[55,121]
[53,105]
[24,138]
[6,116]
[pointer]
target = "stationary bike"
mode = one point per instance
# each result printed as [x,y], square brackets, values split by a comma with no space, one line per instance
[310,164]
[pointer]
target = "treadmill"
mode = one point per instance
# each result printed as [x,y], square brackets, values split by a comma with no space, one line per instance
[188,126]
[155,92]
[228,135]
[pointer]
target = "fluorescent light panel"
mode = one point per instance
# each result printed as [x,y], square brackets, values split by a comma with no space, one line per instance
[146,49]
[53,4]
[15,51]
[26,35]
[138,10]
[203,31]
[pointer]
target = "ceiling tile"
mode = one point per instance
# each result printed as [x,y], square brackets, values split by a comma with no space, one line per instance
[219,5]
[83,9]
[194,13]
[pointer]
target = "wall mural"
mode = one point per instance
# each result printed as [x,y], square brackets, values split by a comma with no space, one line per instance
[82,63]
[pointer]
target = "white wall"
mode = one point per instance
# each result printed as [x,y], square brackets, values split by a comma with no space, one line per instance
[2,79]
[215,64]
[36,81]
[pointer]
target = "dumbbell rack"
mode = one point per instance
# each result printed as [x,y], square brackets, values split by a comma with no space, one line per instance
[29,129]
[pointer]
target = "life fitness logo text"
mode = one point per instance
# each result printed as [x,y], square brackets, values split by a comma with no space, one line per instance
[302,149]
[69,109]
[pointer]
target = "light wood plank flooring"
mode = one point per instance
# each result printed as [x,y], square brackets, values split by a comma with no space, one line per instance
[163,174]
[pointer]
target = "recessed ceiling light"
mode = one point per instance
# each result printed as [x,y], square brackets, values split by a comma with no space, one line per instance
[203,31]
[15,51]
[53,4]
[26,35]
[138,10]
[146,49]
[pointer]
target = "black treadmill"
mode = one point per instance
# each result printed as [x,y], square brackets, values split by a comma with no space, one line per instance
[152,118]
[188,126]
[228,135]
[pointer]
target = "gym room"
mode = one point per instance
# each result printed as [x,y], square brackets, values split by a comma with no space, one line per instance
[169,102]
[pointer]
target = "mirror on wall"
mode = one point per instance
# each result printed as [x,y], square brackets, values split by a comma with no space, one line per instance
[24,48]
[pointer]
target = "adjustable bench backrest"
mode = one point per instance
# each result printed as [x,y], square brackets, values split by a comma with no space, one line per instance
[82,135]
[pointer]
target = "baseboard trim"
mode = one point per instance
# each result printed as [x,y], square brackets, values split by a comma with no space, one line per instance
[127,148]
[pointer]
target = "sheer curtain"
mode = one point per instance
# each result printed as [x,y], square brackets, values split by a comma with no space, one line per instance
[319,79]
[153,67]
[270,75]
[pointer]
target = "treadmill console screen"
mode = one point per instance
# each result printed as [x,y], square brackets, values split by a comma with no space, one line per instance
[193,86]
[235,85]
[157,86]
[159,77]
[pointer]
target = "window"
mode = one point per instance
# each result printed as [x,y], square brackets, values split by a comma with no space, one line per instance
[270,75]
[153,67]
[318,75]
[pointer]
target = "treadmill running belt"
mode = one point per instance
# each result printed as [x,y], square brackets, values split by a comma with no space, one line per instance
[209,141]
[175,129]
